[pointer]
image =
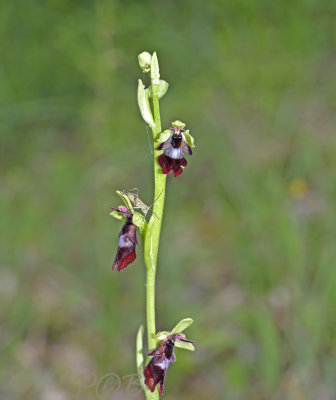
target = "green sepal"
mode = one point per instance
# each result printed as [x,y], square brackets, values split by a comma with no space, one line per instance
[182,325]
[163,88]
[178,328]
[189,139]
[117,215]
[178,124]
[143,103]
[185,345]
[139,221]
[126,200]
[165,135]
[139,356]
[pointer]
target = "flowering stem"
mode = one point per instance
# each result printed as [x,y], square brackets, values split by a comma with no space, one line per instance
[152,236]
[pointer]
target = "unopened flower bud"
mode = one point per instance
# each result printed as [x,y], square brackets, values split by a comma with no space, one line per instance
[144,60]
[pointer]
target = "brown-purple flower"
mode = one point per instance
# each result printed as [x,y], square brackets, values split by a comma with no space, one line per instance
[127,241]
[173,157]
[163,355]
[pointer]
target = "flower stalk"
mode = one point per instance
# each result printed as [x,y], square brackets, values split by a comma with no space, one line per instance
[152,237]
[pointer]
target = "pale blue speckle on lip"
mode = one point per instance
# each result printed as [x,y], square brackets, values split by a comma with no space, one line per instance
[174,153]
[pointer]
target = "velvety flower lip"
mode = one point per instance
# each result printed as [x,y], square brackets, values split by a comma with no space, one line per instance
[127,241]
[163,355]
[173,157]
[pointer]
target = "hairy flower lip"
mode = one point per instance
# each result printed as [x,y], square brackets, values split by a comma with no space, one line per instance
[127,241]
[155,371]
[173,157]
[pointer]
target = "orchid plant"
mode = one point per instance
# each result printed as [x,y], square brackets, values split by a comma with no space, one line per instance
[169,149]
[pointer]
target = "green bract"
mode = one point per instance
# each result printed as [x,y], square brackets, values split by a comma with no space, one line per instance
[139,355]
[144,106]
[163,87]
[155,71]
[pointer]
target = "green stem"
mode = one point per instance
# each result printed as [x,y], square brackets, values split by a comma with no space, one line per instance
[152,237]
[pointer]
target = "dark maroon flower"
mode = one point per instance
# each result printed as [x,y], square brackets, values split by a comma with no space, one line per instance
[127,241]
[163,355]
[173,158]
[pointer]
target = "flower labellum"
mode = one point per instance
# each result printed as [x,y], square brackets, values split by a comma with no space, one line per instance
[163,355]
[127,241]
[173,158]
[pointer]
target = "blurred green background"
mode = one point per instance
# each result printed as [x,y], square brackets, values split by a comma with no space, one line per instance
[248,241]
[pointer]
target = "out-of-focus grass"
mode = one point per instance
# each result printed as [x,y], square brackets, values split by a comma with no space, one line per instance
[247,256]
